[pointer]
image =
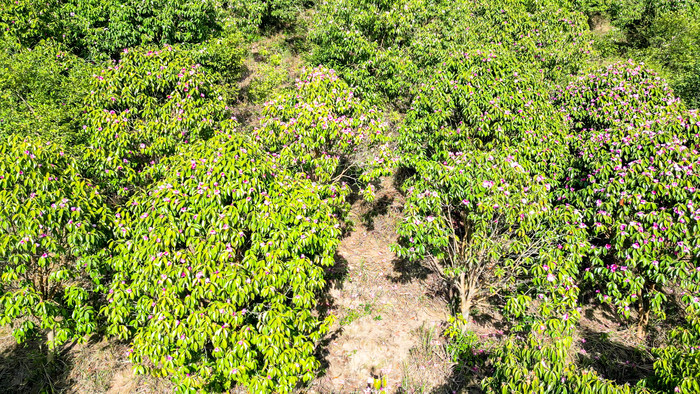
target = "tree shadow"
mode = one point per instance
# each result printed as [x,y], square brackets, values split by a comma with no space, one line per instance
[322,351]
[620,362]
[490,319]
[335,279]
[402,175]
[24,368]
[406,271]
[379,208]
[605,316]
[465,376]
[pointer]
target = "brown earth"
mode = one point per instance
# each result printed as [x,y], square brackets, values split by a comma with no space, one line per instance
[385,310]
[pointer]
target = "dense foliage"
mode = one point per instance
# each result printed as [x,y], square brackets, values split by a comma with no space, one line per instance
[145,106]
[42,90]
[253,14]
[634,177]
[390,47]
[53,225]
[165,180]
[95,29]
[217,269]
[664,33]
[238,237]
[321,130]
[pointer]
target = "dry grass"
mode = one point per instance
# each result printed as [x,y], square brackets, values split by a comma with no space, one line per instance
[608,345]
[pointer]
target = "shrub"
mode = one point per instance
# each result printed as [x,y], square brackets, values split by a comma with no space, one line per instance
[42,90]
[388,48]
[268,80]
[253,15]
[534,365]
[53,227]
[217,270]
[633,179]
[145,106]
[98,29]
[321,130]
[237,235]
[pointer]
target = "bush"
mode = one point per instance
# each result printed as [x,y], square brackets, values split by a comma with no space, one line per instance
[253,15]
[42,91]
[53,227]
[97,29]
[536,365]
[269,78]
[323,131]
[663,33]
[386,49]
[633,180]
[238,235]
[217,270]
[145,106]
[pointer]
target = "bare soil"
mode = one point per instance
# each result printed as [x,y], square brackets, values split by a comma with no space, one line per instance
[386,310]
[98,366]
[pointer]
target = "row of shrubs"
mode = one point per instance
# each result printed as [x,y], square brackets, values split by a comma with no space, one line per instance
[133,204]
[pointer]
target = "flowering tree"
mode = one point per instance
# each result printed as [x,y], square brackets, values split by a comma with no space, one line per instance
[324,132]
[145,106]
[217,267]
[635,180]
[482,223]
[53,225]
[487,148]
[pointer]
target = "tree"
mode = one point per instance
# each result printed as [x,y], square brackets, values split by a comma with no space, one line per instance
[217,269]
[482,222]
[99,30]
[144,107]
[634,179]
[53,229]
[322,130]
[42,90]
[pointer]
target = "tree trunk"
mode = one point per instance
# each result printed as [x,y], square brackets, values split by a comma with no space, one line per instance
[465,297]
[465,303]
[643,321]
[51,349]
[644,311]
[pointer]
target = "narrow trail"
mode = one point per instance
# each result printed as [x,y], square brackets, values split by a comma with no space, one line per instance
[388,323]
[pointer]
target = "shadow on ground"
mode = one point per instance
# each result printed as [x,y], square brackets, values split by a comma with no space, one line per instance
[407,271]
[620,362]
[335,277]
[24,369]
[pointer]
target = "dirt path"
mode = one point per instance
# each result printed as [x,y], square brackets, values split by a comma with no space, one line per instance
[388,323]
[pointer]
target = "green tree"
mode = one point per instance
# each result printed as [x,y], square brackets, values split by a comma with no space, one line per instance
[42,90]
[217,270]
[322,130]
[634,180]
[144,107]
[96,30]
[53,229]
